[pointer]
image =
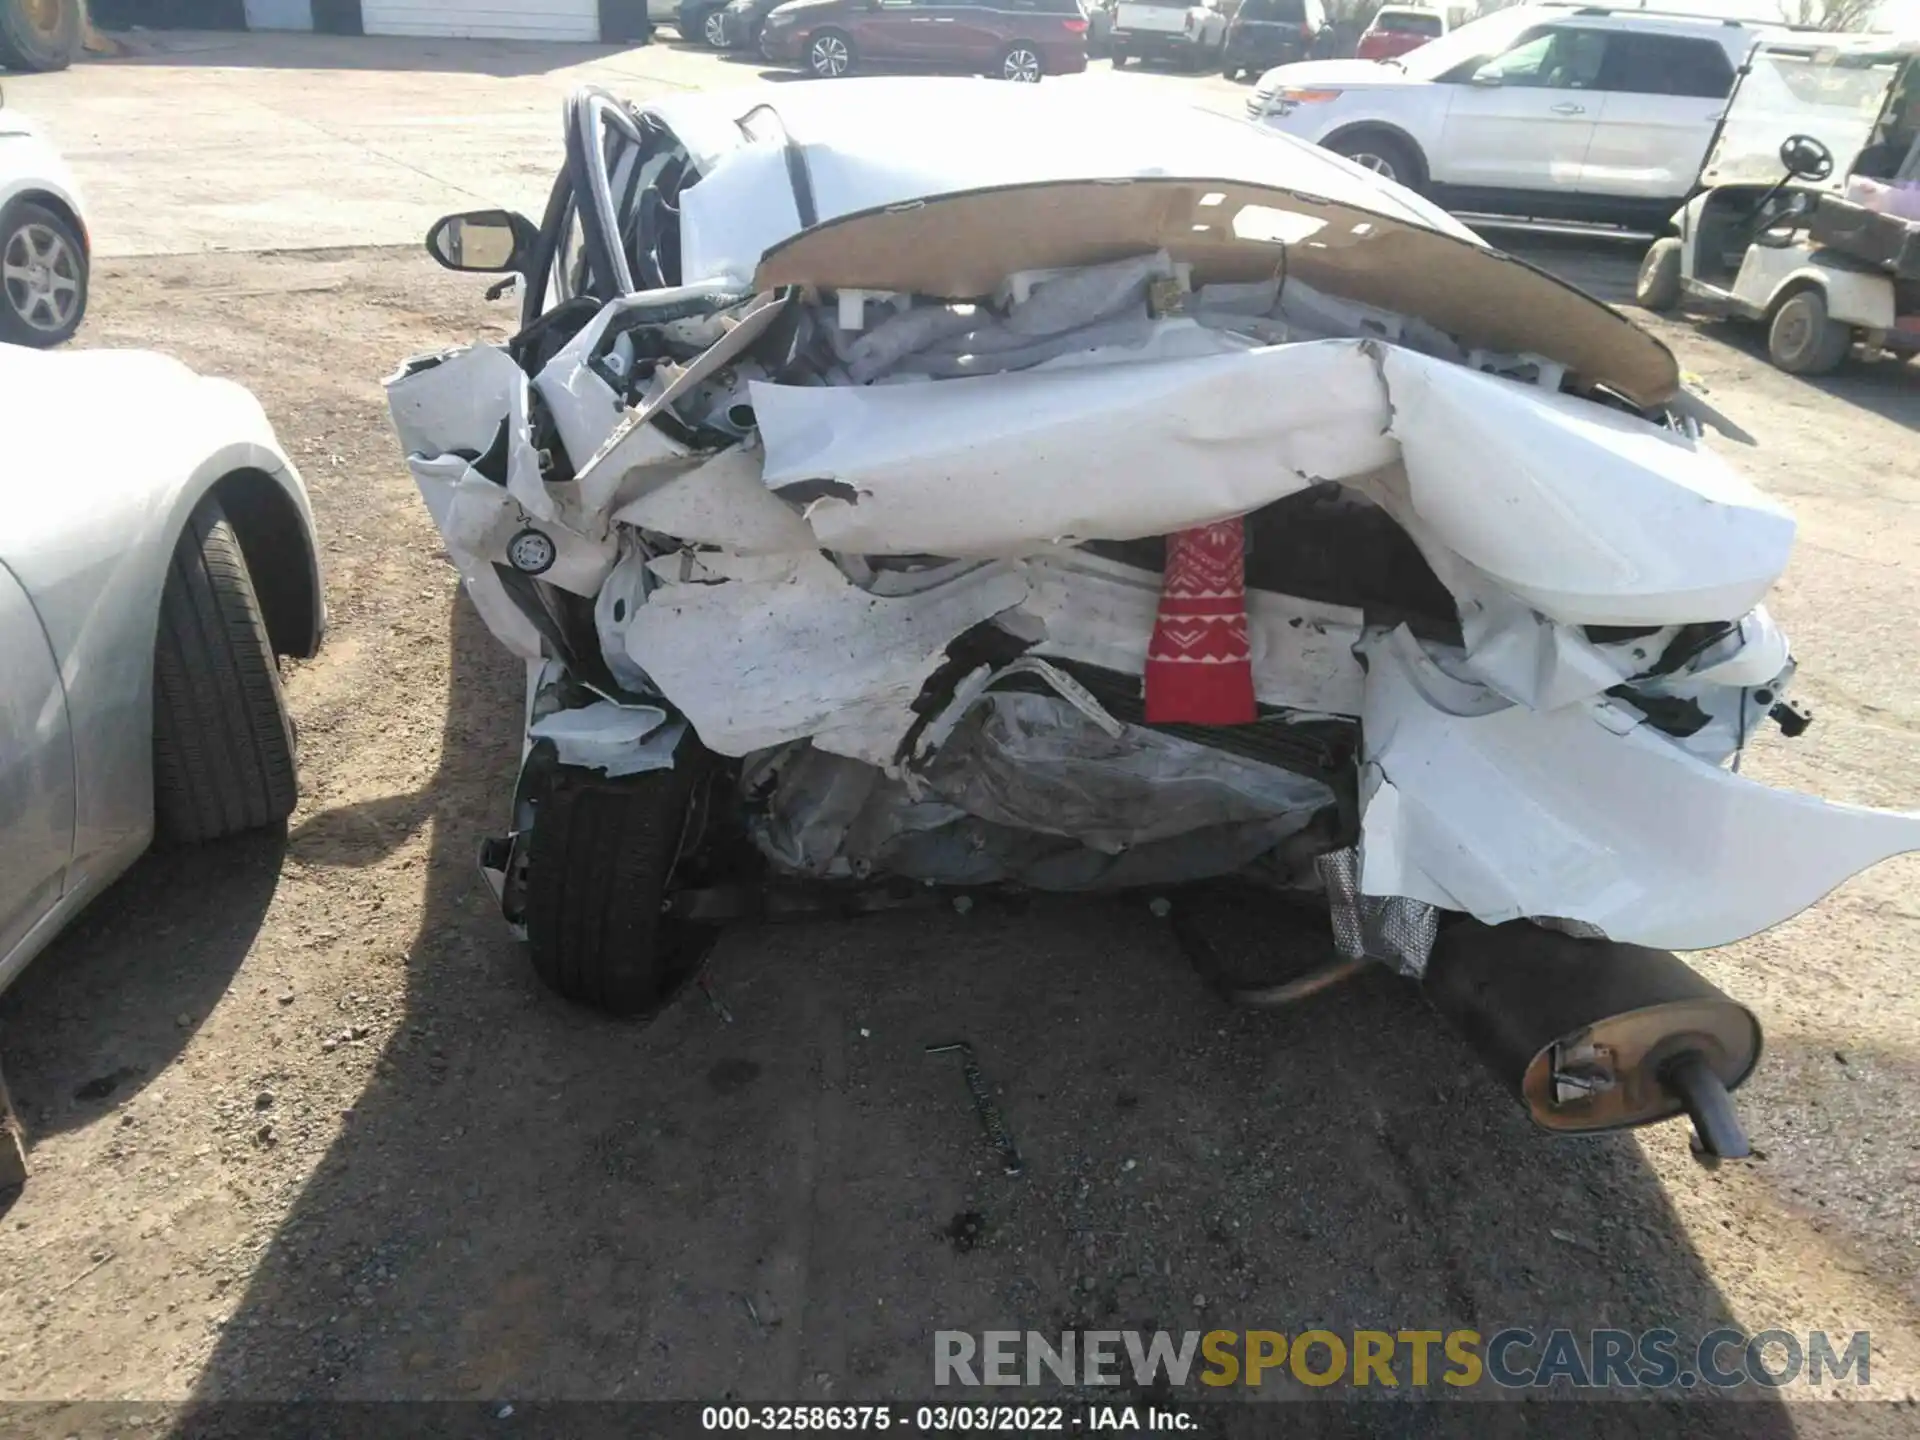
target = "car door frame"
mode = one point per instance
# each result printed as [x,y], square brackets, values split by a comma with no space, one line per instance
[1544,104]
[1664,109]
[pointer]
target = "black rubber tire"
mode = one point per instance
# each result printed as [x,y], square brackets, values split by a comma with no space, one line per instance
[14,329]
[223,748]
[1824,343]
[601,854]
[26,46]
[1120,58]
[1231,72]
[1398,156]
[1658,286]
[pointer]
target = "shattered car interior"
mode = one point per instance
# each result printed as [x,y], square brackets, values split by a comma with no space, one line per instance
[886,507]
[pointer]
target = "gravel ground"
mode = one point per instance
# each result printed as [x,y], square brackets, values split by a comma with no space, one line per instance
[304,1125]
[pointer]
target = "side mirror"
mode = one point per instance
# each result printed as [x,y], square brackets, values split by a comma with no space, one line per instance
[1487,79]
[487,242]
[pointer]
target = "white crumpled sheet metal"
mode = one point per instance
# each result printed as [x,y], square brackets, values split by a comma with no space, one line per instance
[1475,804]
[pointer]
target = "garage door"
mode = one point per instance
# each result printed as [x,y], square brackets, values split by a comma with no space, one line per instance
[494,19]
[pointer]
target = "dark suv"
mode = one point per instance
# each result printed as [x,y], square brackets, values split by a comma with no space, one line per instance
[1013,39]
[1266,33]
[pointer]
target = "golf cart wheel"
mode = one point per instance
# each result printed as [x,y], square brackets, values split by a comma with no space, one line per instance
[1385,156]
[830,55]
[39,34]
[1020,62]
[1658,285]
[600,858]
[1802,340]
[43,275]
[714,29]
[223,755]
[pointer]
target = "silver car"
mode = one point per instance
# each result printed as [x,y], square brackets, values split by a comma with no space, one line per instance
[145,591]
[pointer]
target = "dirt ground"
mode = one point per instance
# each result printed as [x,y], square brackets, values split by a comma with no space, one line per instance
[303,1124]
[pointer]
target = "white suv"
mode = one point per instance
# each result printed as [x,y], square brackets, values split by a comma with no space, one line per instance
[1578,112]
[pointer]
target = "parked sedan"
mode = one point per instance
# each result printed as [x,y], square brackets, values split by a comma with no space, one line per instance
[739,24]
[151,570]
[1013,39]
[44,246]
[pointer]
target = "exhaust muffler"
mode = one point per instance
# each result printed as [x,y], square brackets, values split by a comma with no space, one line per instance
[1596,1035]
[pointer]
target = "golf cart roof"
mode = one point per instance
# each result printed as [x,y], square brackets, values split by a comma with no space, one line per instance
[1834,88]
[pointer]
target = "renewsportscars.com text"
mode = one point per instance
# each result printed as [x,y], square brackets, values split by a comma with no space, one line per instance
[1509,1358]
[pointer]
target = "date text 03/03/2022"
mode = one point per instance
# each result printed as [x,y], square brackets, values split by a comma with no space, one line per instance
[941,1419]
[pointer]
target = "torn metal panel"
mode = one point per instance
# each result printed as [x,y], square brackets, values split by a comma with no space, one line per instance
[1102,612]
[798,650]
[1585,813]
[722,501]
[1592,516]
[613,739]
[999,464]
[962,245]
[1038,763]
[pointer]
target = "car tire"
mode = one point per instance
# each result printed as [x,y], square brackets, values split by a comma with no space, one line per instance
[39,34]
[1657,287]
[223,746]
[1802,339]
[1231,71]
[830,55]
[1120,58]
[1386,156]
[43,275]
[599,861]
[1021,64]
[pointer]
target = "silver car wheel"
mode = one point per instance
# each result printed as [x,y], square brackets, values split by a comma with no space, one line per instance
[41,274]
[1021,64]
[829,57]
[716,30]
[1378,164]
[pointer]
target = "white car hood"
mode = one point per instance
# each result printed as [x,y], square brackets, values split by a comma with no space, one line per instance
[1337,74]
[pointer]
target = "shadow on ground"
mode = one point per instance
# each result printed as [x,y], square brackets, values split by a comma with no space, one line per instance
[114,1000]
[780,1195]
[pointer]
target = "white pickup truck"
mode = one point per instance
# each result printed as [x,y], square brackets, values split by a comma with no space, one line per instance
[1189,31]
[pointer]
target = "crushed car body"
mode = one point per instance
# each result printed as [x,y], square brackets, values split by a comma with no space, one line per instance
[1123,504]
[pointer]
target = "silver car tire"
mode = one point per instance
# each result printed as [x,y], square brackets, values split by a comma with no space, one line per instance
[1020,63]
[43,276]
[829,55]
[223,745]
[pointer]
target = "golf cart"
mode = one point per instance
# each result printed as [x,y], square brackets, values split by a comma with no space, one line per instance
[1806,215]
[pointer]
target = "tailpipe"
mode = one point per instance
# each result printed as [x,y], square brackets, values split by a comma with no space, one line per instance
[1594,1034]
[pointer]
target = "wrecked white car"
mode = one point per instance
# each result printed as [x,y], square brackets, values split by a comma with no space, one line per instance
[888,505]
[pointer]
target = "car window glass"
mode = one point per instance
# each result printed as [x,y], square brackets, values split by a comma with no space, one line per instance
[1666,65]
[1405,23]
[1555,60]
[1285,12]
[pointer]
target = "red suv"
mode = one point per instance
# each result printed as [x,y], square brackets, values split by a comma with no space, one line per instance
[1013,39]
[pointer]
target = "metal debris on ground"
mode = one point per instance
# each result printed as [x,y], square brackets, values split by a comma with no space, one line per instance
[989,1113]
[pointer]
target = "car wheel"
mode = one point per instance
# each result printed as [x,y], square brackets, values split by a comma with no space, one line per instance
[599,862]
[1230,71]
[1120,58]
[830,55]
[761,44]
[714,29]
[1387,157]
[1658,285]
[1021,64]
[43,275]
[223,749]
[1802,340]
[39,34]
